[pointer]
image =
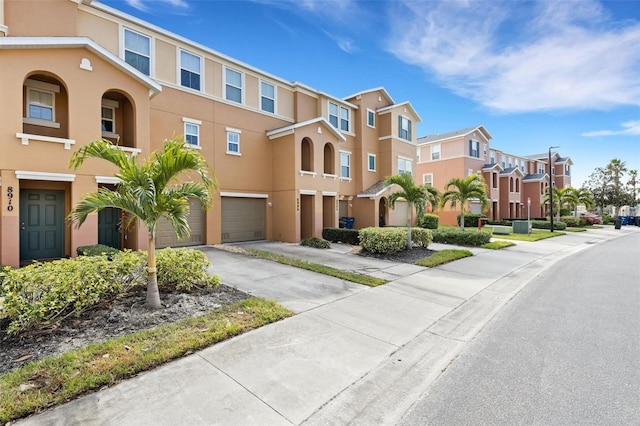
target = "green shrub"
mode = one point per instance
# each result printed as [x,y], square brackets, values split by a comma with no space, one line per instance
[42,294]
[421,237]
[4,271]
[468,237]
[96,250]
[183,269]
[608,219]
[570,221]
[383,240]
[341,235]
[543,224]
[503,222]
[315,242]
[471,219]
[429,221]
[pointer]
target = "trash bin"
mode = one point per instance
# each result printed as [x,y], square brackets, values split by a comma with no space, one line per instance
[624,220]
[342,222]
[637,220]
[350,221]
[618,223]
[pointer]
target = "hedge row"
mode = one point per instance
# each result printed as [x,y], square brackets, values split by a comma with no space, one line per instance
[43,294]
[393,239]
[341,235]
[429,221]
[468,237]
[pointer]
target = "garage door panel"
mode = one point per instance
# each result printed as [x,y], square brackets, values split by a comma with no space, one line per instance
[401,213]
[243,219]
[166,236]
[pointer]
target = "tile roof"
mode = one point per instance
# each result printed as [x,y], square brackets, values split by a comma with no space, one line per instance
[374,190]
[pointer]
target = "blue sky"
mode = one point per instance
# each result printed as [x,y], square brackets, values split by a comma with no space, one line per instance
[534,73]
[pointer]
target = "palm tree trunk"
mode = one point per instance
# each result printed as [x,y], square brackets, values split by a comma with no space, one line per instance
[462,218]
[153,294]
[409,240]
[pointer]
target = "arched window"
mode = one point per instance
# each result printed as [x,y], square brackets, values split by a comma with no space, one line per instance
[45,106]
[329,159]
[307,155]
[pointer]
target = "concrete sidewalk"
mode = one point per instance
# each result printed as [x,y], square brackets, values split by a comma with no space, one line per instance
[353,354]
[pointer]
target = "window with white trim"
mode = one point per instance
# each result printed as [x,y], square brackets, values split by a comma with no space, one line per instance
[233,85]
[435,152]
[371,162]
[427,179]
[345,164]
[41,104]
[108,119]
[267,97]
[474,148]
[233,142]
[190,70]
[492,157]
[404,125]
[192,131]
[344,119]
[333,114]
[404,165]
[137,51]
[371,118]
[567,170]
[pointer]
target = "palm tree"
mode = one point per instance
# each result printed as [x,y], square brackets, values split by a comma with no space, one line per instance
[147,192]
[459,190]
[574,197]
[416,196]
[561,198]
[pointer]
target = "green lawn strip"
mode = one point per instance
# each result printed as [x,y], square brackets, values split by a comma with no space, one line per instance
[497,245]
[321,269]
[536,235]
[443,256]
[50,381]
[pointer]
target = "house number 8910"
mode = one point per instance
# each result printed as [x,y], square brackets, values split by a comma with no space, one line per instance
[10,197]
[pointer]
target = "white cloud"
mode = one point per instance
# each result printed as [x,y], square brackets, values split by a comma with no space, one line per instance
[520,57]
[147,5]
[631,128]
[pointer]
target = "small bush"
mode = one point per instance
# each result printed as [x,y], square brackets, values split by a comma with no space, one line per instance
[42,294]
[421,237]
[96,250]
[503,222]
[184,269]
[4,271]
[383,240]
[543,224]
[341,235]
[571,221]
[315,242]
[429,221]
[471,219]
[607,219]
[468,237]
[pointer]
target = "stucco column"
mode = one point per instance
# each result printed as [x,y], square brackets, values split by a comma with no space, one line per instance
[10,219]
[88,232]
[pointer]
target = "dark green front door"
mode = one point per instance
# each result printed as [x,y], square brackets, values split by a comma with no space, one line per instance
[109,227]
[41,224]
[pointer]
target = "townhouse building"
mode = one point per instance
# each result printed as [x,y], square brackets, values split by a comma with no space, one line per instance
[515,183]
[289,159]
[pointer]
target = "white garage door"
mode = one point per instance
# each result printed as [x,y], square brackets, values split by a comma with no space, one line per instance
[401,212]
[166,236]
[243,219]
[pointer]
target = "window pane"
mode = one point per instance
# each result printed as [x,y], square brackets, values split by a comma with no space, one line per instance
[333,120]
[268,105]
[268,90]
[42,113]
[234,94]
[190,79]
[107,113]
[234,78]
[192,139]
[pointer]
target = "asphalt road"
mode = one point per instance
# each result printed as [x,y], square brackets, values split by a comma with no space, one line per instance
[565,351]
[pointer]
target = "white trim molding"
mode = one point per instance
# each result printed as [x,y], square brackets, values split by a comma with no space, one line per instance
[111,180]
[308,192]
[26,138]
[329,193]
[243,195]
[58,177]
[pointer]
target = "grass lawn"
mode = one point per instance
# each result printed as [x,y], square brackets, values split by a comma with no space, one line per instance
[443,256]
[536,235]
[497,245]
[575,229]
[54,380]
[321,269]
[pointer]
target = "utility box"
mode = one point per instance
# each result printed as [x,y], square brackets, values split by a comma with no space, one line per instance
[521,227]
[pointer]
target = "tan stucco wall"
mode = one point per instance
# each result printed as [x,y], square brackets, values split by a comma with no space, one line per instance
[36,18]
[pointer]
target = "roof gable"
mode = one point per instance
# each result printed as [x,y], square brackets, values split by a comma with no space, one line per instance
[455,134]
[287,130]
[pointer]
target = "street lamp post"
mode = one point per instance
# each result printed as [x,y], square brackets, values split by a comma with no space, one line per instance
[551,187]
[528,215]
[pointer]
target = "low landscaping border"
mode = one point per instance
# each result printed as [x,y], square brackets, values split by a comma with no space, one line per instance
[54,380]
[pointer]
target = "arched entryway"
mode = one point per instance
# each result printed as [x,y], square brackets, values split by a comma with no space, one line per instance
[383,213]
